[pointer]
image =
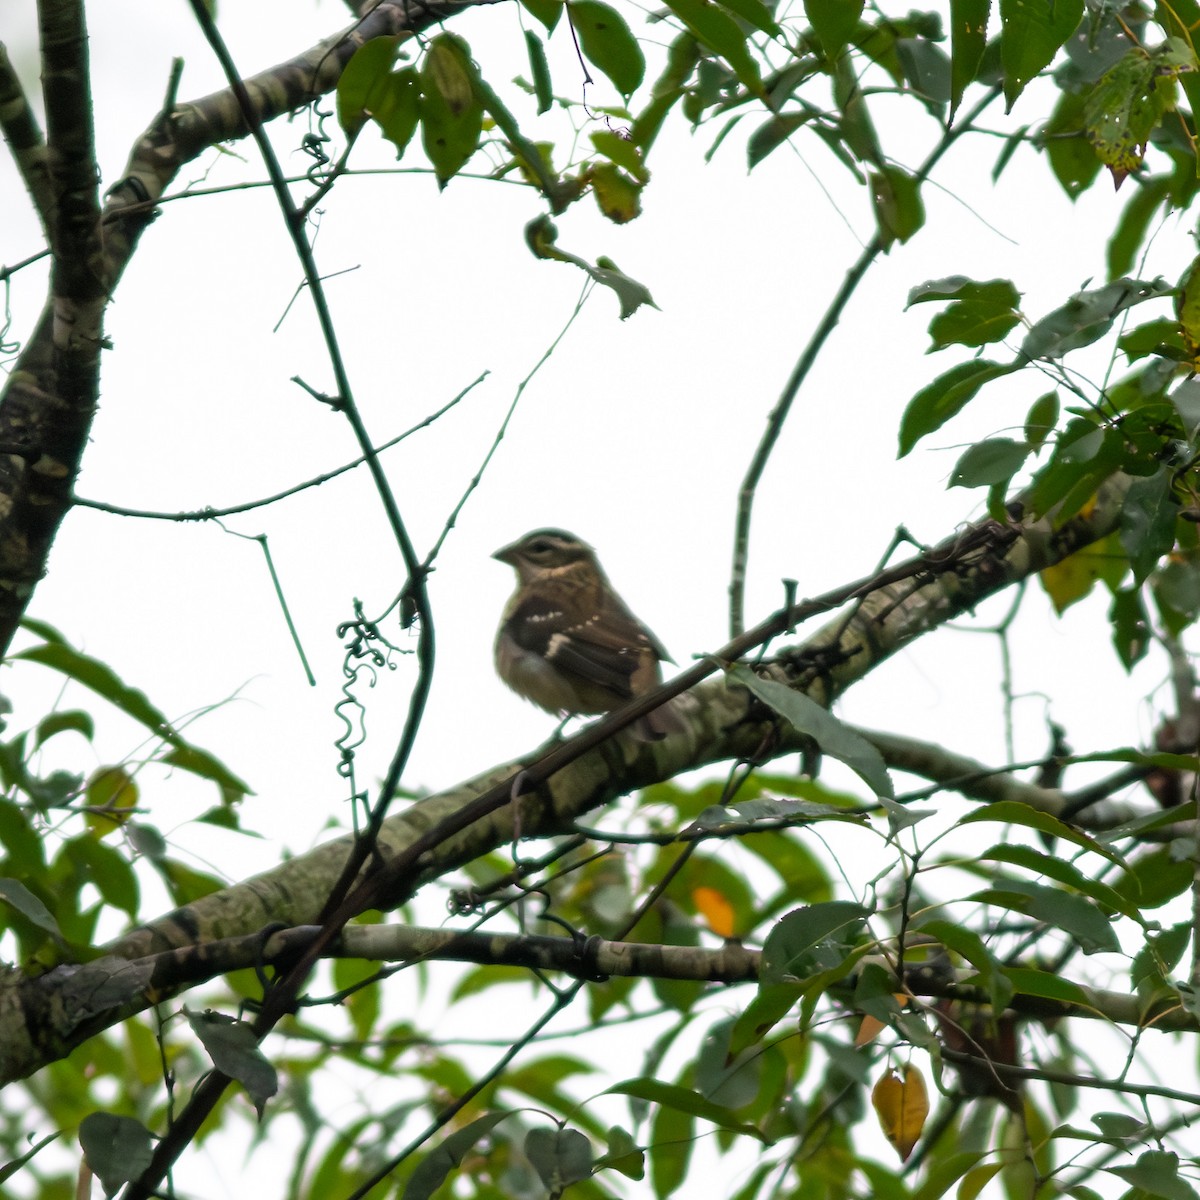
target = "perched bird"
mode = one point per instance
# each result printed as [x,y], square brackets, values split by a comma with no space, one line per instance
[567,641]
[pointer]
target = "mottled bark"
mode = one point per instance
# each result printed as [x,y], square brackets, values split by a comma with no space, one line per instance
[47,406]
[45,1017]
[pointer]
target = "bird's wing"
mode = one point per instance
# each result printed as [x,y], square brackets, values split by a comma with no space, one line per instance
[605,648]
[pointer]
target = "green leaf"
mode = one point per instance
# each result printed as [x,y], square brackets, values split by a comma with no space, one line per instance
[15,893]
[1088,316]
[980,312]
[808,717]
[623,1155]
[834,22]
[618,195]
[945,397]
[717,30]
[899,212]
[433,1170]
[685,1100]
[363,86]
[1012,812]
[560,1156]
[1074,915]
[772,133]
[451,112]
[234,1051]
[926,69]
[1125,106]
[1130,232]
[608,43]
[1071,157]
[71,720]
[968,37]
[101,679]
[1042,418]
[539,69]
[1148,522]
[1029,982]
[994,460]
[108,870]
[1054,867]
[1156,1172]
[546,11]
[756,13]
[1130,627]
[970,946]
[1031,33]
[117,1149]
[401,109]
[810,940]
[672,1134]
[1155,878]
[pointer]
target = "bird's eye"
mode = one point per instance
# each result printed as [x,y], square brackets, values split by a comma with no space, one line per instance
[541,546]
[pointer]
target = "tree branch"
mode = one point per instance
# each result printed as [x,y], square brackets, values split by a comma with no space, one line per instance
[25,140]
[543,795]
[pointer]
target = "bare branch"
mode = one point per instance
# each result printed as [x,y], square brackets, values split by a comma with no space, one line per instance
[25,140]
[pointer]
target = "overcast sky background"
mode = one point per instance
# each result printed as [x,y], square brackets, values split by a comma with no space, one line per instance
[635,435]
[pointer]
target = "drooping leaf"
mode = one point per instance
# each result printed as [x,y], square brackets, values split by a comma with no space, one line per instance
[560,1156]
[618,194]
[717,30]
[433,1170]
[608,43]
[968,38]
[834,22]
[117,1149]
[363,85]
[539,70]
[451,111]
[994,460]
[234,1049]
[1130,627]
[899,211]
[1148,522]
[1124,107]
[902,1105]
[1031,34]
[808,717]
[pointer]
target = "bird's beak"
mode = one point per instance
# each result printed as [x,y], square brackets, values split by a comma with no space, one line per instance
[505,554]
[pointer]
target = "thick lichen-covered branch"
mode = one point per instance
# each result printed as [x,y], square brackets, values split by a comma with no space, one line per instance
[724,724]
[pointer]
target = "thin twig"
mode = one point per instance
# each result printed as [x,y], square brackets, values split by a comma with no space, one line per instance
[512,408]
[212,514]
[779,414]
[279,999]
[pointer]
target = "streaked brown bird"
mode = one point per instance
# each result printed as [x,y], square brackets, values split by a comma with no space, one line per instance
[568,642]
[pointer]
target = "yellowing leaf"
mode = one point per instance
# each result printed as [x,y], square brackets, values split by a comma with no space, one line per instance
[902,1105]
[111,793]
[715,909]
[869,1030]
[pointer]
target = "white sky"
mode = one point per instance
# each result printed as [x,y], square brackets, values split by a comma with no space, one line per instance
[635,435]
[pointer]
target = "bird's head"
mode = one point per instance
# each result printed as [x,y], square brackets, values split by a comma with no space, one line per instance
[546,552]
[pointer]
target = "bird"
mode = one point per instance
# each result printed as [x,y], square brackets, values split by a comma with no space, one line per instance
[567,641]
